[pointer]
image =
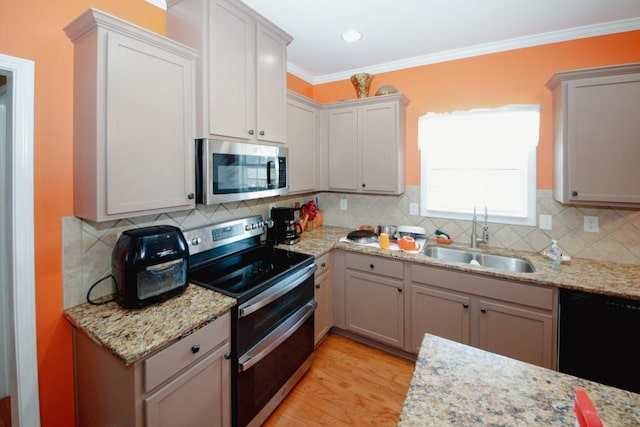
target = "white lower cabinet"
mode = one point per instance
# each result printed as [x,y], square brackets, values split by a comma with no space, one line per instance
[323,294]
[186,384]
[374,298]
[522,333]
[510,318]
[506,317]
[438,312]
[193,398]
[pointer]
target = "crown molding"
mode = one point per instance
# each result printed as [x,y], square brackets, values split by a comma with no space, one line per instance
[477,50]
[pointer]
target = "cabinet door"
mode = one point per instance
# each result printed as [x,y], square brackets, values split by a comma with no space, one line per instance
[379,150]
[603,129]
[343,149]
[374,307]
[302,131]
[201,396]
[149,128]
[232,82]
[438,312]
[516,332]
[271,87]
[324,311]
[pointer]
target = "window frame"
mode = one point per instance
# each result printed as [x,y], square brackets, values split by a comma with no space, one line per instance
[530,180]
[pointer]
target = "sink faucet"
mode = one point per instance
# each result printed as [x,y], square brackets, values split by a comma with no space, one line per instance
[474,233]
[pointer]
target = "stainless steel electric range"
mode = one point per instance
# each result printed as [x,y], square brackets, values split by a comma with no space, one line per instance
[272,340]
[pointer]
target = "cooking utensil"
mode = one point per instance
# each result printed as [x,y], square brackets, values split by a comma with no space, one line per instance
[412,231]
[362,236]
[389,229]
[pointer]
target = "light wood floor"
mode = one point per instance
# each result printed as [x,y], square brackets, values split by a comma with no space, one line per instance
[349,384]
[5,412]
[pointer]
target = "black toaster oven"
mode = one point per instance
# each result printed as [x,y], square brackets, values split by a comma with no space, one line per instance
[149,265]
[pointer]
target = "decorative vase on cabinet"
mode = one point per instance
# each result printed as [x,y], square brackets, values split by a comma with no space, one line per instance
[133,119]
[241,72]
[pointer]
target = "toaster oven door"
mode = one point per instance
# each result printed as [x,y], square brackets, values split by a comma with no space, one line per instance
[160,278]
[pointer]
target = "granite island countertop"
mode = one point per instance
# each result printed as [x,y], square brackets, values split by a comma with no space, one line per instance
[620,280]
[455,384]
[132,334]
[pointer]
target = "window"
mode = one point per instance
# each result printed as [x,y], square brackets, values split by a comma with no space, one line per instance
[484,158]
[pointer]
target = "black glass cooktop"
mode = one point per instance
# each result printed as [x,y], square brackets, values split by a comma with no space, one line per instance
[244,274]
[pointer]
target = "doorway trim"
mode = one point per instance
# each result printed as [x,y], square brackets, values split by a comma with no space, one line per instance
[23,355]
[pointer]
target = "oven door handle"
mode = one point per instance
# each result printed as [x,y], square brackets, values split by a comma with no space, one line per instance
[277,337]
[275,292]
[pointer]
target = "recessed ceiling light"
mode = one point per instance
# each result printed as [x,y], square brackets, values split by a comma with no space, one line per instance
[351,36]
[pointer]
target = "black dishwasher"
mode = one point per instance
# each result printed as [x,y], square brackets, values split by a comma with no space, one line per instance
[597,338]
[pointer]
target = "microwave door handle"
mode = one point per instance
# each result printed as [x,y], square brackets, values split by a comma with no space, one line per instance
[269,163]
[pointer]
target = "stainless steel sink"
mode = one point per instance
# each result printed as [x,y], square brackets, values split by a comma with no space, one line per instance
[499,262]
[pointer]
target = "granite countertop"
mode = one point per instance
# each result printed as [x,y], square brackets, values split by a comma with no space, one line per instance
[621,280]
[455,384]
[132,334]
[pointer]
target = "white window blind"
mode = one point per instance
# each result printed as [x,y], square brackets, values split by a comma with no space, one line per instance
[481,157]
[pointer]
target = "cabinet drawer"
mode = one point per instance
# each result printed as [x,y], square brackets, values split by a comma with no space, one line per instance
[324,264]
[501,289]
[189,349]
[378,265]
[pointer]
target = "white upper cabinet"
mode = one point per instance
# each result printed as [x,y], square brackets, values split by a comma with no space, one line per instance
[365,145]
[597,135]
[133,120]
[303,121]
[242,69]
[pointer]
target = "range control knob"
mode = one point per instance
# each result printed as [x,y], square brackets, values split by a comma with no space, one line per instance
[247,227]
[195,241]
[254,226]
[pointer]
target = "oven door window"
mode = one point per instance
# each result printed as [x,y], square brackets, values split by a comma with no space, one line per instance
[261,382]
[239,173]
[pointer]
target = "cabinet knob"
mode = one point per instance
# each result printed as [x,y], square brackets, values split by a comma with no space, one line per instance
[318,286]
[251,132]
[465,305]
[227,355]
[364,185]
[195,348]
[574,193]
[371,266]
[261,133]
[324,264]
[483,310]
[191,196]
[399,289]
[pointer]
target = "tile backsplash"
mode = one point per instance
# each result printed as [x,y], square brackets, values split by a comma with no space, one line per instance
[87,245]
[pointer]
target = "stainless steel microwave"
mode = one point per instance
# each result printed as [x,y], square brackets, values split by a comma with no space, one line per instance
[229,171]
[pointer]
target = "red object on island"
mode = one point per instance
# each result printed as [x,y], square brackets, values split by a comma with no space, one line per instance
[585,411]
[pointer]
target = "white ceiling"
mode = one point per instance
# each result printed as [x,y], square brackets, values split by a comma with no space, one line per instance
[406,33]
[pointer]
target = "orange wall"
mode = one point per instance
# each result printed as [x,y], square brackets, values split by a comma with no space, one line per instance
[513,77]
[32,29]
[300,86]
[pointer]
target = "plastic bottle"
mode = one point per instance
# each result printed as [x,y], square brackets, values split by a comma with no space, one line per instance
[555,254]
